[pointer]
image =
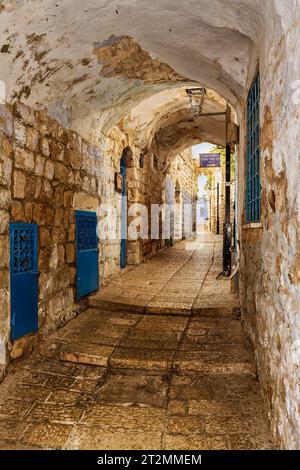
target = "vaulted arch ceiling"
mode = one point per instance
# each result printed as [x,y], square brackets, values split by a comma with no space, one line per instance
[91,62]
[165,123]
[174,138]
[164,109]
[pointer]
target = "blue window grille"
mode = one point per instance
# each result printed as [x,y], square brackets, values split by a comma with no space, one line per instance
[253,188]
[86,231]
[87,253]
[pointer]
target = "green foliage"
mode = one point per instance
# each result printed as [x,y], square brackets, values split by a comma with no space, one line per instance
[208,172]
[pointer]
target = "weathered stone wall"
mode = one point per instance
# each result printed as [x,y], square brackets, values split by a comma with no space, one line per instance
[158,187]
[270,268]
[182,170]
[218,179]
[180,176]
[46,173]
[148,184]
[154,192]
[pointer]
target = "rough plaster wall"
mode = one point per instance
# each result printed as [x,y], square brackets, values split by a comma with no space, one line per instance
[270,255]
[145,118]
[166,124]
[173,139]
[65,55]
[167,108]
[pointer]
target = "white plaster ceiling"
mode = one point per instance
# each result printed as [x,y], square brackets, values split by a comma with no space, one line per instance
[91,62]
[165,122]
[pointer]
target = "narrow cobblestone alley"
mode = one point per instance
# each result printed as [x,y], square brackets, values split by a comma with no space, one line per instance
[113,378]
[126,126]
[181,282]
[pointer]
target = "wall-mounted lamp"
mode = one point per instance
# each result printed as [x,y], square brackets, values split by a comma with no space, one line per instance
[196,96]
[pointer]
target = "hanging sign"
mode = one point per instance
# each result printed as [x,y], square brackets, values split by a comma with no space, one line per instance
[210,160]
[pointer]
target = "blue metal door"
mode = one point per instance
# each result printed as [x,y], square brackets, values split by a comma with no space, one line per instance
[87,253]
[123,215]
[23,279]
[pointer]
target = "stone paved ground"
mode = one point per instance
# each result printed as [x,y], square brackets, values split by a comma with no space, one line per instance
[181,281]
[157,381]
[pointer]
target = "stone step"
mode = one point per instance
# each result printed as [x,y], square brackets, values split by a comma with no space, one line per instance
[236,360]
[213,362]
[154,360]
[135,306]
[86,353]
[141,359]
[166,308]
[181,362]
[103,304]
[119,339]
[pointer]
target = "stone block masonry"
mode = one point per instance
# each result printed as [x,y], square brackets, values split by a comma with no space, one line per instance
[46,173]
[179,189]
